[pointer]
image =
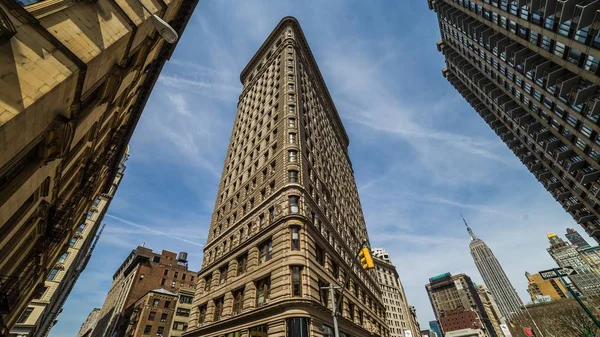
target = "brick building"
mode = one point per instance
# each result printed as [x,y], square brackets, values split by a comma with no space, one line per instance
[152,314]
[75,77]
[142,272]
[457,305]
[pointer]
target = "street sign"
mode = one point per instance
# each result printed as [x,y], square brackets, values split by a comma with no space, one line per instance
[505,330]
[528,332]
[557,272]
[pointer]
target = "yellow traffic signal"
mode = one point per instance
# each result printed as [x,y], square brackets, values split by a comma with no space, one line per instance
[365,259]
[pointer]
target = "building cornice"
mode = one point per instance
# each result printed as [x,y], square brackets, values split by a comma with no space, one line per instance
[290,21]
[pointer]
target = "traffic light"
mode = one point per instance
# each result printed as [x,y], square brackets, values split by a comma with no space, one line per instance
[365,259]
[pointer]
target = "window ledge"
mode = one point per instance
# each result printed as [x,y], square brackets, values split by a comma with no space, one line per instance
[48,7]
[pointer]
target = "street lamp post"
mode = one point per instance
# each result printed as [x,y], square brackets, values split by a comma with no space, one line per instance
[164,29]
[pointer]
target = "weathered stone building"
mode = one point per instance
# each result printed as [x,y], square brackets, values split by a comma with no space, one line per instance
[74,79]
[41,313]
[287,220]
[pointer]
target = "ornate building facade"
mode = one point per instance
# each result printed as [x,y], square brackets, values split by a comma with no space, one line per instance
[74,79]
[398,314]
[287,221]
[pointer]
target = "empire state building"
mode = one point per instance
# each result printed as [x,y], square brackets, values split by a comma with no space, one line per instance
[494,276]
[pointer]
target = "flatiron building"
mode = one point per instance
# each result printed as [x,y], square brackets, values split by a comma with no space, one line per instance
[287,220]
[530,70]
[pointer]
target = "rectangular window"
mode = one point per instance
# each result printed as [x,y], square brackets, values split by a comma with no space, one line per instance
[25,315]
[73,241]
[238,301]
[151,315]
[207,282]
[298,327]
[263,290]
[218,308]
[258,331]
[52,274]
[202,314]
[266,251]
[183,312]
[323,293]
[320,255]
[163,317]
[160,330]
[292,122]
[81,228]
[185,299]
[294,208]
[242,262]
[167,304]
[223,275]
[292,155]
[292,137]
[293,176]
[335,269]
[156,302]
[63,257]
[147,329]
[295,231]
[296,281]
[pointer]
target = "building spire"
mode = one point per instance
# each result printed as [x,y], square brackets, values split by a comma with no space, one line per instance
[471,234]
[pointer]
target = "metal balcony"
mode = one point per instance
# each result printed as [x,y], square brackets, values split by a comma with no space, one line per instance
[542,135]
[574,206]
[585,178]
[582,94]
[521,150]
[592,107]
[10,293]
[537,166]
[586,12]
[585,217]
[554,185]
[545,175]
[531,128]
[528,159]
[565,84]
[576,164]
[553,144]
[525,120]
[562,195]
[563,153]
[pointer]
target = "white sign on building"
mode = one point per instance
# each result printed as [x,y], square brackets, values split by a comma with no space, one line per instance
[505,330]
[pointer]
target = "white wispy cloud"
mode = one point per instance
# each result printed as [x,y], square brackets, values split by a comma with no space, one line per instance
[175,235]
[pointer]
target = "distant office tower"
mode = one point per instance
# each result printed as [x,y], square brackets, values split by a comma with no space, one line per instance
[435,327]
[428,333]
[530,70]
[414,319]
[74,79]
[456,304]
[491,308]
[287,220]
[143,272]
[566,255]
[41,314]
[398,315]
[591,256]
[538,288]
[90,323]
[493,276]
[575,238]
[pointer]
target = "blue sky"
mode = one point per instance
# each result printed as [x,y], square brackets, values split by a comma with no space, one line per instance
[421,155]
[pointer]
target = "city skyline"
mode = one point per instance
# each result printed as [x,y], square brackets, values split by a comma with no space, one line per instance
[194,89]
